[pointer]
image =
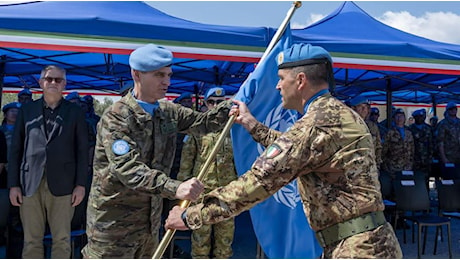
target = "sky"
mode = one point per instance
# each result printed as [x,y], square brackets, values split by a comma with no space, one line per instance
[433,20]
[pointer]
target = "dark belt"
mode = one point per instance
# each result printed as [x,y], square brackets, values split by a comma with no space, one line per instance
[351,227]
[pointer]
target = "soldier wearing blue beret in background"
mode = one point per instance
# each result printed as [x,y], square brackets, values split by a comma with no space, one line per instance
[398,148]
[135,146]
[448,135]
[210,241]
[330,152]
[362,106]
[184,99]
[73,97]
[25,96]
[423,144]
[10,113]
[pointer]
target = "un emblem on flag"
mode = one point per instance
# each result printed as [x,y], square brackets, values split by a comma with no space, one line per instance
[282,119]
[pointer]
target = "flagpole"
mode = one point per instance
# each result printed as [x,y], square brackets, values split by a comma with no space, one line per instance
[281,29]
[204,170]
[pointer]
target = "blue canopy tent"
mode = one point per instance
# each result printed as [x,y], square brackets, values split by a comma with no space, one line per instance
[383,62]
[92,41]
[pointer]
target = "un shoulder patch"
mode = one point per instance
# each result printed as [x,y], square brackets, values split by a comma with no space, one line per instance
[272,151]
[120,147]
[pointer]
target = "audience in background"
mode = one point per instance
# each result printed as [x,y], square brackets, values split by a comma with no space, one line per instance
[24,96]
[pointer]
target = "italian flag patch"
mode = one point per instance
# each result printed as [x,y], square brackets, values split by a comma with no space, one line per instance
[273,151]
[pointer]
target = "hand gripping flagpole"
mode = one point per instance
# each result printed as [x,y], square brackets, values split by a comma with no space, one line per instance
[204,170]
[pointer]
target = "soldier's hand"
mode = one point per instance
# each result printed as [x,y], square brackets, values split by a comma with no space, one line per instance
[15,196]
[244,116]
[190,190]
[174,220]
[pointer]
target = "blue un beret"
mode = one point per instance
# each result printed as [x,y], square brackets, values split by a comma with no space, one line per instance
[419,112]
[215,92]
[72,95]
[302,54]
[150,57]
[25,91]
[11,105]
[398,111]
[183,96]
[375,110]
[358,100]
[451,105]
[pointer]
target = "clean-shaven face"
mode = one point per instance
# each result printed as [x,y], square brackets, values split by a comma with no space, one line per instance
[154,84]
[288,88]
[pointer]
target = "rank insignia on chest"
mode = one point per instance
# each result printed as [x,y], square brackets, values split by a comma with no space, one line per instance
[272,151]
[120,147]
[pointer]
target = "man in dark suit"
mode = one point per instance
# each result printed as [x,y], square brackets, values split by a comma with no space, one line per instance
[48,165]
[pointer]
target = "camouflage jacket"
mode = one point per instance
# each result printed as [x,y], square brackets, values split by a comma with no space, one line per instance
[196,151]
[375,132]
[398,153]
[127,189]
[423,146]
[448,134]
[331,153]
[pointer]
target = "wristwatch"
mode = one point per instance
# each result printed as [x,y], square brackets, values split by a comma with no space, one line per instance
[184,218]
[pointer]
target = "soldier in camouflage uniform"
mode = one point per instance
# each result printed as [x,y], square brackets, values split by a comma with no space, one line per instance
[221,172]
[329,150]
[423,143]
[133,156]
[398,148]
[362,106]
[448,137]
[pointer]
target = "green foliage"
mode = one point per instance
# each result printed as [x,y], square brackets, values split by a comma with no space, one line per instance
[99,107]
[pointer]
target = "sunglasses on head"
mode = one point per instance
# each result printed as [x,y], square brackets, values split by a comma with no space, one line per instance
[215,102]
[51,79]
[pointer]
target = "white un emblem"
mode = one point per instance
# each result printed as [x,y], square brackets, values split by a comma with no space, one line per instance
[282,119]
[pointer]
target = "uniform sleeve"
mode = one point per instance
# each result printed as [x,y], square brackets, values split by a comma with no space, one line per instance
[126,163]
[264,135]
[188,159]
[197,123]
[378,147]
[283,161]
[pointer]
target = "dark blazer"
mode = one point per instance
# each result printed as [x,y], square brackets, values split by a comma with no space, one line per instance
[63,155]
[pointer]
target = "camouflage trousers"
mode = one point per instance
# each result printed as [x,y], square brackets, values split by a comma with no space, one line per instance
[136,245]
[221,243]
[378,243]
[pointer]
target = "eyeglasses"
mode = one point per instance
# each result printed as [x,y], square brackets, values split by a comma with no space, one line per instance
[215,102]
[51,79]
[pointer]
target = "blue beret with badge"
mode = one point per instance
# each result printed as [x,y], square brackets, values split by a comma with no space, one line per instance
[358,100]
[185,95]
[419,112]
[25,91]
[398,111]
[150,57]
[214,92]
[375,110]
[11,105]
[451,105]
[302,54]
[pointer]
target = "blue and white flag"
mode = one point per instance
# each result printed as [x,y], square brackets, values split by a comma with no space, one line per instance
[279,222]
